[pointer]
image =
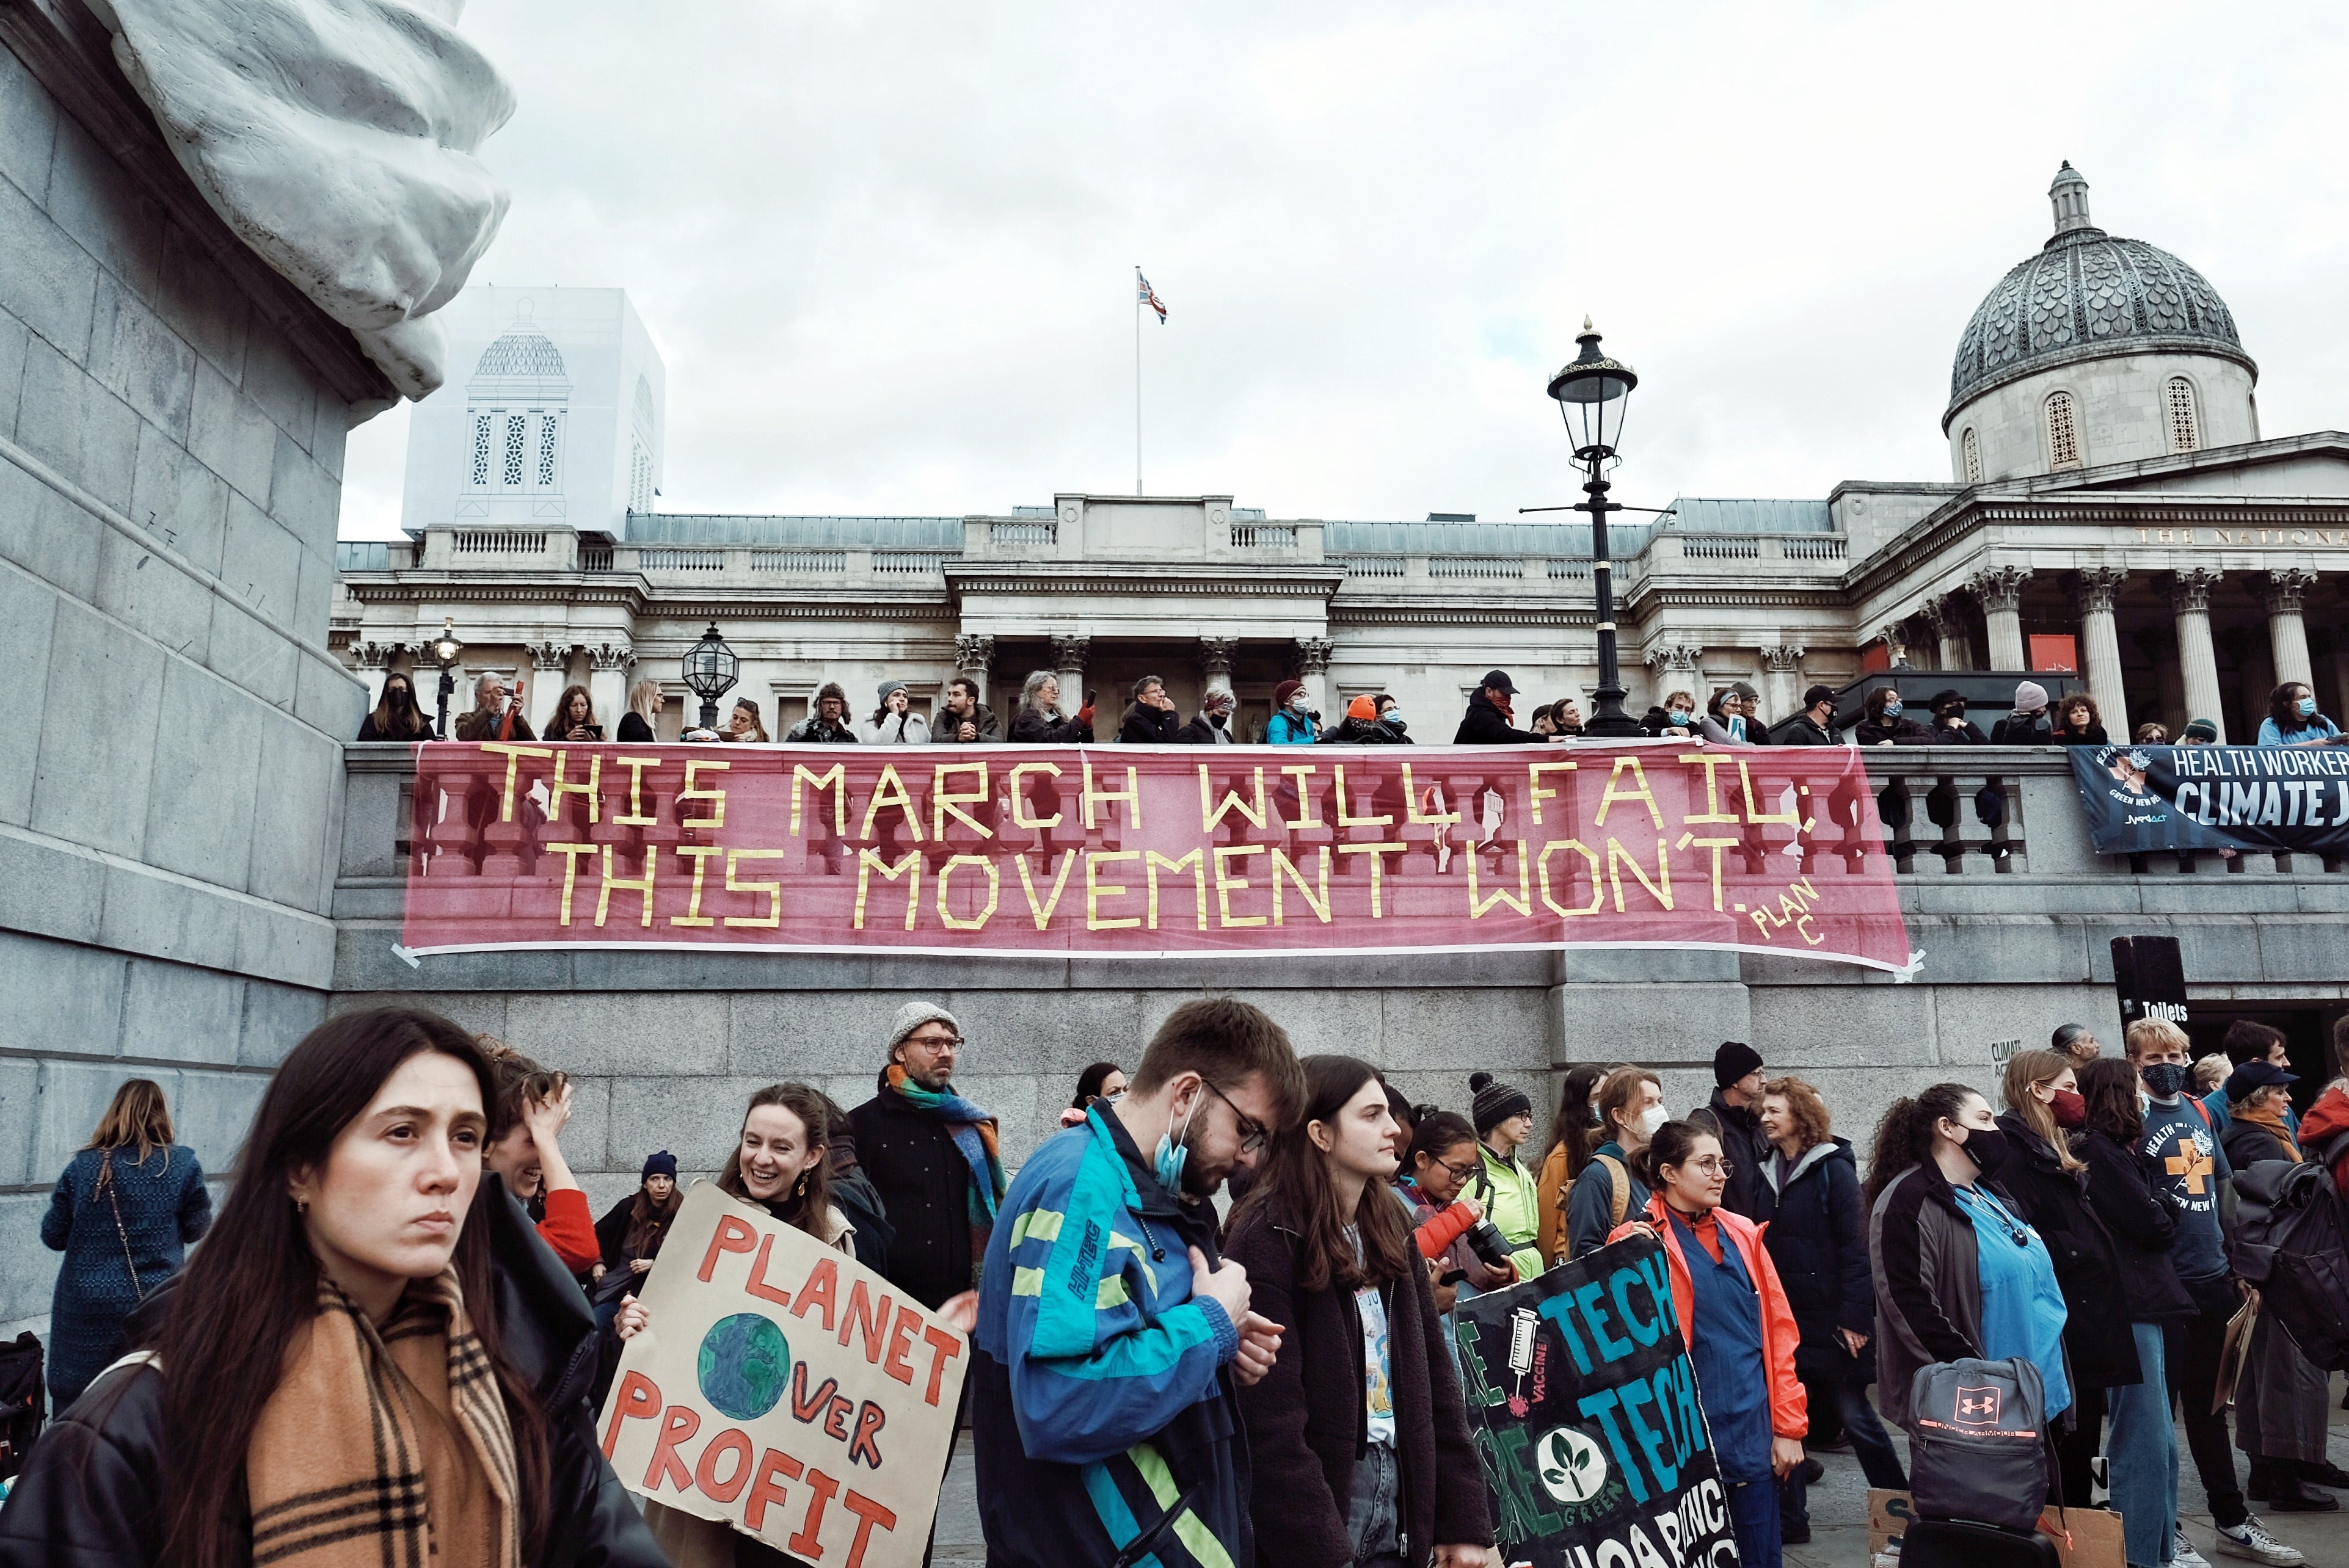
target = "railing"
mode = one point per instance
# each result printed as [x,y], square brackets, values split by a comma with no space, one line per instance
[594,558]
[1042,532]
[804,561]
[680,560]
[1264,536]
[1373,566]
[497,542]
[1570,570]
[910,563]
[1814,549]
[1476,568]
[1720,549]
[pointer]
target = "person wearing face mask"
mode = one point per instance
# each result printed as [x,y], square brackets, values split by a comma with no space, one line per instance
[2292,719]
[396,716]
[1814,725]
[1504,1114]
[1111,1334]
[1959,1273]
[2048,1183]
[1630,1108]
[1392,721]
[2030,724]
[1362,726]
[1881,722]
[1358,1438]
[1737,1325]
[1294,722]
[1213,726]
[2191,1174]
[1950,726]
[1677,720]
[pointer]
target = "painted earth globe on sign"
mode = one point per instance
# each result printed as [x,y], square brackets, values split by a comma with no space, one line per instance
[744,1364]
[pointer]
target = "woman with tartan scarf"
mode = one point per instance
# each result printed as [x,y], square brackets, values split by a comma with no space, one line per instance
[334,1380]
[932,1156]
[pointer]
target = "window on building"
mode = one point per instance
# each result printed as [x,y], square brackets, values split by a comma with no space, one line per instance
[2185,426]
[480,451]
[1973,456]
[2063,434]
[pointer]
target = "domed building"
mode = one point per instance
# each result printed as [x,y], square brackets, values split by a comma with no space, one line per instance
[2096,350]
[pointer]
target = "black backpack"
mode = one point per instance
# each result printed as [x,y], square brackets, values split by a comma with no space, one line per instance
[2291,1244]
[21,1401]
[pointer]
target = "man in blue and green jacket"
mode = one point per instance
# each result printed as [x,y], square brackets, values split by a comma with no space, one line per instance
[1102,1414]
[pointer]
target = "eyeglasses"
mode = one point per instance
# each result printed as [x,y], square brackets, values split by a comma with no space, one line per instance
[1459,1173]
[1254,1134]
[954,1042]
[1713,1166]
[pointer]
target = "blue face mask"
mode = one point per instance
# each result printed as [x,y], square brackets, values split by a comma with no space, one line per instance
[1892,710]
[1392,716]
[1681,715]
[2308,708]
[1167,1163]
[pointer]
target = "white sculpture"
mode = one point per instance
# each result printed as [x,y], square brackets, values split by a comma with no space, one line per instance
[337,137]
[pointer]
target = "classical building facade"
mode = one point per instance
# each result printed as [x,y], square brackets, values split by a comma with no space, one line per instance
[2111,510]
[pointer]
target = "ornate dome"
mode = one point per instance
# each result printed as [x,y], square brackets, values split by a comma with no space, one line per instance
[2087,294]
[523,351]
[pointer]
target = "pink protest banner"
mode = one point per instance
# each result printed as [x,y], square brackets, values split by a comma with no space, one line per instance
[1148,851]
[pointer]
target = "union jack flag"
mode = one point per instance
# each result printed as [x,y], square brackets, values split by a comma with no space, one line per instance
[1149,296]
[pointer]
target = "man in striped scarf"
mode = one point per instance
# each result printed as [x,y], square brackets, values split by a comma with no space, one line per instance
[933,1155]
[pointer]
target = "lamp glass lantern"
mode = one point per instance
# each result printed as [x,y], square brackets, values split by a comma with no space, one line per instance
[1594,394]
[710,671]
[445,649]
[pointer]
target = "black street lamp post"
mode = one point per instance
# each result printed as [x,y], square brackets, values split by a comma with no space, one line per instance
[1593,393]
[445,648]
[710,668]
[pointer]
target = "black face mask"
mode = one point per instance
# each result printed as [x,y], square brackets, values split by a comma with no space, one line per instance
[1987,1148]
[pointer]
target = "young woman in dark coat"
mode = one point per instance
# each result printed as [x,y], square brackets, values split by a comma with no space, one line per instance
[1357,1436]
[1817,1241]
[2049,1184]
[2142,1452]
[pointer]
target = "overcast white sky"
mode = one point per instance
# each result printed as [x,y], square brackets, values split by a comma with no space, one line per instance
[887,249]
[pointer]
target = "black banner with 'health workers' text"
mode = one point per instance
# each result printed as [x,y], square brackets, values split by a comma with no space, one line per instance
[2141,799]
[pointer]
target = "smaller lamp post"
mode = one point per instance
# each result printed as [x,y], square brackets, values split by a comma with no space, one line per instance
[710,668]
[445,649]
[1593,393]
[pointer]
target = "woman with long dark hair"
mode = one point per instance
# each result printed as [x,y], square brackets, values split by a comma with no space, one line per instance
[573,717]
[1358,1435]
[2292,718]
[332,1378]
[2141,1448]
[1737,1325]
[122,1214]
[1574,1132]
[397,716]
[1958,1271]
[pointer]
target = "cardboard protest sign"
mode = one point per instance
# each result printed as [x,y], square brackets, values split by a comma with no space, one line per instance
[786,1390]
[2083,1537]
[1583,1404]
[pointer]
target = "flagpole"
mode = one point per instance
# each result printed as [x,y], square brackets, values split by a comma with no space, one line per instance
[1137,379]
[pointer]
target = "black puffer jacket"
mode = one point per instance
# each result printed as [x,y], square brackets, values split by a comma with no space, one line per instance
[2142,1226]
[1748,1191]
[1485,724]
[91,1494]
[1149,726]
[2055,1201]
[1820,1246]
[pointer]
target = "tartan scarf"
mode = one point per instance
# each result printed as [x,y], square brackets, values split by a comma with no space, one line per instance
[974,1134]
[385,1446]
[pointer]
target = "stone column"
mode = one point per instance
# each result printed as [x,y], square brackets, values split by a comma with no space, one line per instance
[974,656]
[2197,661]
[2100,646]
[1671,668]
[1782,682]
[1896,643]
[2287,636]
[550,664]
[1312,667]
[1953,631]
[1216,663]
[1069,665]
[2000,591]
[607,686]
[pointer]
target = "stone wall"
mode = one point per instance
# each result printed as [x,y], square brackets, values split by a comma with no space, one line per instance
[668,1046]
[171,426]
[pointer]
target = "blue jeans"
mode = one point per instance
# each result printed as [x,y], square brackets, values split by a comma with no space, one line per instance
[1371,1521]
[2141,1455]
[1754,1520]
[1879,1459]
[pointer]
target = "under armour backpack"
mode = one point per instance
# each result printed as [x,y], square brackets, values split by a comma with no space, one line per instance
[1975,1449]
[2291,1244]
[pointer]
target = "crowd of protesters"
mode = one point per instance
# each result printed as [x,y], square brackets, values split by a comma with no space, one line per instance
[1274,1380]
[1044,716]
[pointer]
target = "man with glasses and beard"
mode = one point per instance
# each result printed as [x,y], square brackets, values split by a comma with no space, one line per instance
[1110,1335]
